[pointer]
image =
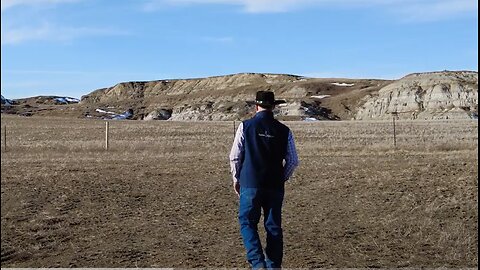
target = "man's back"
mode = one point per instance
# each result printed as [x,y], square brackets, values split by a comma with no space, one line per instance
[265,149]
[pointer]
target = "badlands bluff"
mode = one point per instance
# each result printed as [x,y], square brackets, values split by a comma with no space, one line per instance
[224,97]
[432,95]
[446,95]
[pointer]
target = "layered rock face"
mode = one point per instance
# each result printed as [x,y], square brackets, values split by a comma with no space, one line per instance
[434,95]
[214,98]
[224,97]
[220,86]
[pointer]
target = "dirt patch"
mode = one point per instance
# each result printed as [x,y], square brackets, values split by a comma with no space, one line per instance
[161,196]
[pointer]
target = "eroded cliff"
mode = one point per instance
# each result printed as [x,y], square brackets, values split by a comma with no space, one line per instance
[432,95]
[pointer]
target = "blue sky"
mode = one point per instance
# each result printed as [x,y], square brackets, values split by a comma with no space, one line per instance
[72,47]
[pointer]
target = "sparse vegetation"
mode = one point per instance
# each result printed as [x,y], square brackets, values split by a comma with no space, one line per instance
[161,195]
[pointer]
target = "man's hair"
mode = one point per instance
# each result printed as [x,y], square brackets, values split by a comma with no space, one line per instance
[266,107]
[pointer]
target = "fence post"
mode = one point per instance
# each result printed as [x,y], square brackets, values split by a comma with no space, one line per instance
[234,129]
[5,137]
[106,135]
[394,115]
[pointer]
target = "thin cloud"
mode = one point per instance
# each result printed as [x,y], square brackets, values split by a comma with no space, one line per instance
[437,10]
[412,9]
[49,32]
[6,4]
[250,6]
[80,72]
[47,72]
[39,27]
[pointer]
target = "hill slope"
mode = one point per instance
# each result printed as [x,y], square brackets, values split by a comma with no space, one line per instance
[434,95]
[223,97]
[448,94]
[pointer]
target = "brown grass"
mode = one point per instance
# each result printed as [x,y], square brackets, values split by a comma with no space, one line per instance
[161,195]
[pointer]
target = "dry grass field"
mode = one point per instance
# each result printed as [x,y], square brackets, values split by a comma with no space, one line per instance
[161,195]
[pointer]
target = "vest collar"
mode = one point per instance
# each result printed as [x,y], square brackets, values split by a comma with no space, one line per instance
[264,114]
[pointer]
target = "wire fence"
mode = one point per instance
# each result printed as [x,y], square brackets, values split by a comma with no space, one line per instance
[66,134]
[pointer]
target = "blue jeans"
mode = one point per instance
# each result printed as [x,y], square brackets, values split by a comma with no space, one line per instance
[252,201]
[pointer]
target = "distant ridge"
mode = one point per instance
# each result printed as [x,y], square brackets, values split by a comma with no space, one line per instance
[428,95]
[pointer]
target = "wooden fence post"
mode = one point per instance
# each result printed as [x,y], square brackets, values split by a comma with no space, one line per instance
[106,135]
[394,114]
[234,129]
[5,137]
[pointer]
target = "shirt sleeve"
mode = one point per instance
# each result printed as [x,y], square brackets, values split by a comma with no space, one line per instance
[291,158]
[236,154]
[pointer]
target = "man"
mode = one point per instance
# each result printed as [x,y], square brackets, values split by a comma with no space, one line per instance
[262,158]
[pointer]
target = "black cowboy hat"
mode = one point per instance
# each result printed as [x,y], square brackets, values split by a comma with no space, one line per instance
[266,99]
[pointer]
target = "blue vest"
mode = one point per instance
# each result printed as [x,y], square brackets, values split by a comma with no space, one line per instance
[265,149]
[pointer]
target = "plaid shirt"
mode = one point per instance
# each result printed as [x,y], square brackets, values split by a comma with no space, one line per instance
[238,148]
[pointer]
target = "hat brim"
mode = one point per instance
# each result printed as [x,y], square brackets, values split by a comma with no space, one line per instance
[276,102]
